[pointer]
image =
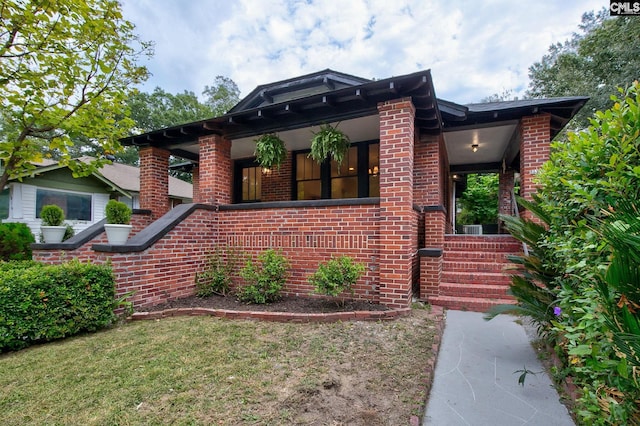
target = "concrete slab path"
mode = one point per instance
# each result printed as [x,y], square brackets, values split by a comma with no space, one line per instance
[475,384]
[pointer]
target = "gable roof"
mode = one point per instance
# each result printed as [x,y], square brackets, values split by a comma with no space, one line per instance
[121,178]
[296,88]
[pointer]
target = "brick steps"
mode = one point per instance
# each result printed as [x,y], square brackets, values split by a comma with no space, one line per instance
[476,272]
[475,304]
[475,290]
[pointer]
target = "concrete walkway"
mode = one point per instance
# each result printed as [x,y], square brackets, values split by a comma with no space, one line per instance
[474,381]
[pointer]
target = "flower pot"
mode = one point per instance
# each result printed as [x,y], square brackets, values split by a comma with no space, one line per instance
[117,234]
[53,234]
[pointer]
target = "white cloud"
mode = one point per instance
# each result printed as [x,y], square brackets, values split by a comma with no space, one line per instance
[473,48]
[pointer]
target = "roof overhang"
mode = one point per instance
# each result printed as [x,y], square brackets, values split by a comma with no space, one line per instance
[339,105]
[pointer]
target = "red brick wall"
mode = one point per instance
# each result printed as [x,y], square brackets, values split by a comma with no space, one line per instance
[195,181]
[214,183]
[308,236]
[154,180]
[505,202]
[276,183]
[397,217]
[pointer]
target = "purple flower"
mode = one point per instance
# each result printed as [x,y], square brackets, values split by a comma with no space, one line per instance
[557,311]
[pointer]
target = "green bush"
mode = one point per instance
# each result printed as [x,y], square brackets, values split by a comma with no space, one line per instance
[266,279]
[117,212]
[40,303]
[216,276]
[336,276]
[52,215]
[15,241]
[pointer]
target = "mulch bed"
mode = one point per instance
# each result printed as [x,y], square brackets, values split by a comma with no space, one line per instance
[312,305]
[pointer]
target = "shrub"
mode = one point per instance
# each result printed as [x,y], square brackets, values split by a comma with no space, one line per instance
[15,241]
[336,276]
[216,277]
[45,302]
[117,212]
[52,215]
[266,278]
[68,232]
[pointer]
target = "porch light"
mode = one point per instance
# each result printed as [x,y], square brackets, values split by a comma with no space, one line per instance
[266,171]
[474,147]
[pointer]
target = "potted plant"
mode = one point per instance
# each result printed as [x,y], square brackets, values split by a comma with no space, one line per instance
[52,227]
[270,151]
[117,226]
[329,142]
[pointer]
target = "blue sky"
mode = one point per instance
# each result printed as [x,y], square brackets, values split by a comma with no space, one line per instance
[474,48]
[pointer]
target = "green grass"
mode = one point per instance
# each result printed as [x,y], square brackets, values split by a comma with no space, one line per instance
[204,370]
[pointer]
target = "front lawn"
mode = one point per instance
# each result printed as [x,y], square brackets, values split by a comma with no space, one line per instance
[201,370]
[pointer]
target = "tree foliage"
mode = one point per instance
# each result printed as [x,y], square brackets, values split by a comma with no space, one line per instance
[602,55]
[66,69]
[479,201]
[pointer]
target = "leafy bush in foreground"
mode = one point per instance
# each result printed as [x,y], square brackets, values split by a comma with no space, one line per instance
[45,302]
[15,241]
[266,278]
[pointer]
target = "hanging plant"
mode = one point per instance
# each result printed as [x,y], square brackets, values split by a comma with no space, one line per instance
[270,151]
[329,142]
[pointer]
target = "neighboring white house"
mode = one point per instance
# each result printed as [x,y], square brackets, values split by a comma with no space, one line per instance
[82,199]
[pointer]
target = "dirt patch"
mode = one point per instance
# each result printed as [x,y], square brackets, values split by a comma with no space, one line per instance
[286,304]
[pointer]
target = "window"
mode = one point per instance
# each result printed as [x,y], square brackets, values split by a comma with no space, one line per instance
[356,177]
[248,181]
[76,206]
[4,204]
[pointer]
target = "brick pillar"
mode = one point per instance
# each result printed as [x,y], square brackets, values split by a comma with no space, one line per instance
[214,176]
[432,156]
[535,148]
[154,180]
[195,181]
[396,201]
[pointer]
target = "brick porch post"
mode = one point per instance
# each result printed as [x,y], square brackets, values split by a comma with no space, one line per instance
[535,148]
[506,181]
[214,171]
[195,181]
[154,180]
[396,201]
[432,154]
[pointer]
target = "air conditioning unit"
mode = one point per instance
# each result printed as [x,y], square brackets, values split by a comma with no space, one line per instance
[472,229]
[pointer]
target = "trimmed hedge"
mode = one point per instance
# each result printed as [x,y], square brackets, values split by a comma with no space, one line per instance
[40,303]
[15,241]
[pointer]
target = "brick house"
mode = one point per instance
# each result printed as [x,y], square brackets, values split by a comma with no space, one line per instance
[390,205]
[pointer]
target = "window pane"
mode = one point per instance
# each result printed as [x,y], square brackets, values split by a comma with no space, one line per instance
[374,170]
[251,183]
[4,204]
[349,166]
[309,190]
[346,187]
[306,168]
[75,206]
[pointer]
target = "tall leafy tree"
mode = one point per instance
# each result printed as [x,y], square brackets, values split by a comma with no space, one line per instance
[222,95]
[66,68]
[602,55]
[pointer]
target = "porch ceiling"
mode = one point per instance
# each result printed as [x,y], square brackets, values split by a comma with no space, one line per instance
[494,144]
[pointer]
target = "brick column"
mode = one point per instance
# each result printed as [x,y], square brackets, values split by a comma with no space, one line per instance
[195,181]
[154,180]
[432,155]
[506,181]
[214,175]
[535,148]
[396,201]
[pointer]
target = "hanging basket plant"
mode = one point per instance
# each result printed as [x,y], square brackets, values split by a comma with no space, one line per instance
[329,142]
[270,151]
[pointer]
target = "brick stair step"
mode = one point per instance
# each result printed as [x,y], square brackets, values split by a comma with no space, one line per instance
[478,256]
[473,278]
[462,266]
[468,303]
[478,291]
